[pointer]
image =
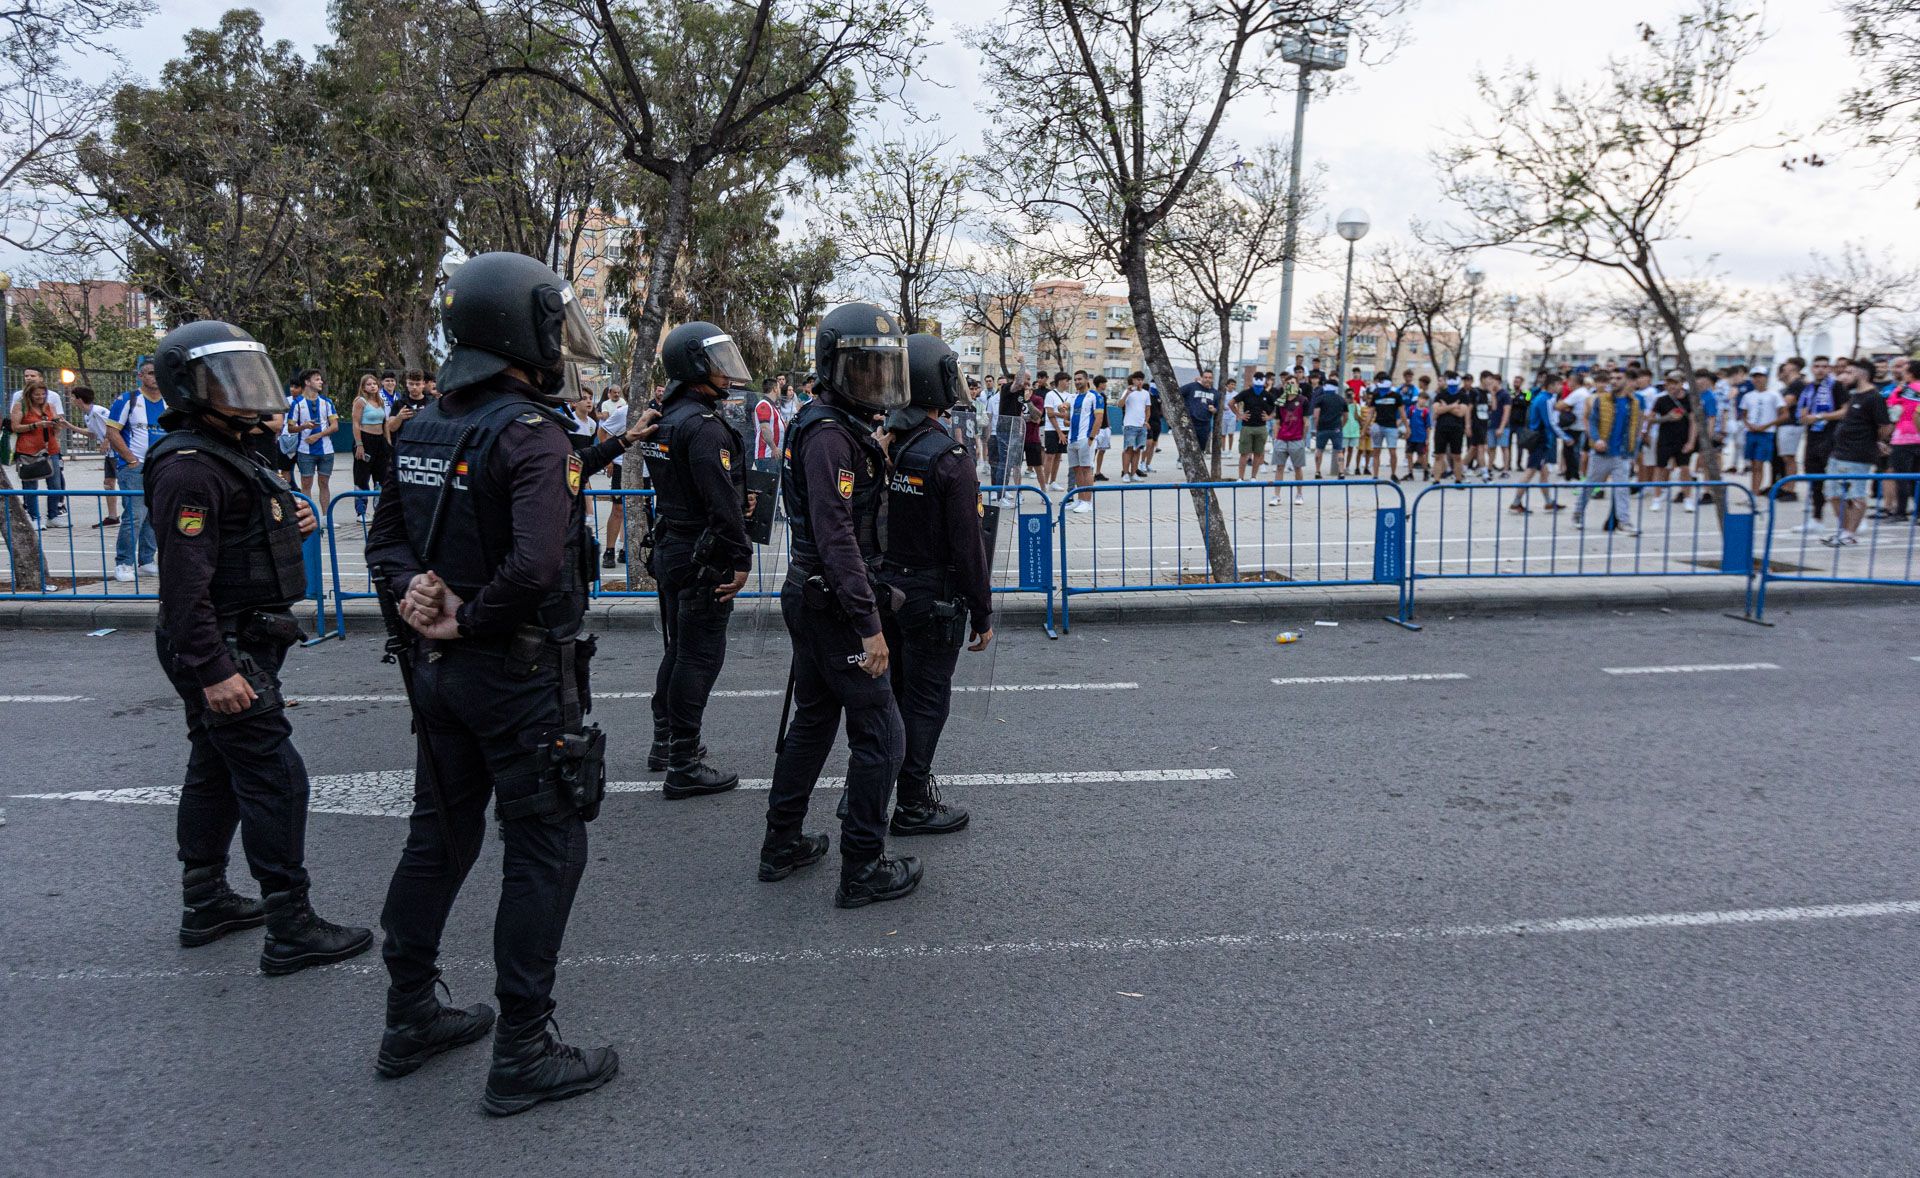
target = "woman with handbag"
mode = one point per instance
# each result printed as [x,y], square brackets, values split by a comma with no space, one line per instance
[36,428]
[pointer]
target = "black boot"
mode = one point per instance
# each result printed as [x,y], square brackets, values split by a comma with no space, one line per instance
[689,775]
[212,908]
[422,1028]
[298,938]
[531,1064]
[840,811]
[660,753]
[782,855]
[876,880]
[920,811]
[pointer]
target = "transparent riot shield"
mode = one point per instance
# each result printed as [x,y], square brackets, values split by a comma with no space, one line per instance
[1000,446]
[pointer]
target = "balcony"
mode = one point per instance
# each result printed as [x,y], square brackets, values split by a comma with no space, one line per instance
[1116,343]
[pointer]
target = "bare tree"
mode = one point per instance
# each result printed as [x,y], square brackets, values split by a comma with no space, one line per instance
[994,287]
[1549,318]
[1596,173]
[1426,286]
[1793,308]
[896,215]
[1902,334]
[1106,112]
[1380,301]
[1625,307]
[805,270]
[1057,314]
[1884,109]
[1187,320]
[1858,283]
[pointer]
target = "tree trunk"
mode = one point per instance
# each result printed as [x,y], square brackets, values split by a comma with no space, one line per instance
[1206,506]
[1220,386]
[1002,338]
[23,543]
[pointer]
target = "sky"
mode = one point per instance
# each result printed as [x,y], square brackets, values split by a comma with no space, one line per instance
[1749,219]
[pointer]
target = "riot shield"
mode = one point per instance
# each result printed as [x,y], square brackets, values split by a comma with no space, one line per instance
[1001,447]
[761,433]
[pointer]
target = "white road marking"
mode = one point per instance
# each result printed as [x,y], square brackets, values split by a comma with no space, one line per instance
[1256,941]
[1306,679]
[754,693]
[45,699]
[389,793]
[1691,668]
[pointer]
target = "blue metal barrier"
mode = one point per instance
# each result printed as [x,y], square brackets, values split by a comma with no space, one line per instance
[83,566]
[1884,555]
[1312,524]
[342,594]
[1661,540]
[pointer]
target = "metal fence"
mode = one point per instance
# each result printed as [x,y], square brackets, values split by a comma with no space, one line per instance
[1640,529]
[1144,537]
[1884,549]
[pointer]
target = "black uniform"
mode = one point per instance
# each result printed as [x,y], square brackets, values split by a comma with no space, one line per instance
[230,571]
[936,555]
[832,486]
[484,700]
[698,466]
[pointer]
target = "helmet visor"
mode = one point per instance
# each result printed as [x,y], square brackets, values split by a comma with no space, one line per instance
[234,376]
[578,344]
[872,371]
[723,357]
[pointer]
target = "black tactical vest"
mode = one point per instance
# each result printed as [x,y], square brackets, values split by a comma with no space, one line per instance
[864,498]
[258,562]
[476,527]
[677,504]
[916,512]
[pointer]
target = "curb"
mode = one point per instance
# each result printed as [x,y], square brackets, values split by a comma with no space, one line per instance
[1435,603]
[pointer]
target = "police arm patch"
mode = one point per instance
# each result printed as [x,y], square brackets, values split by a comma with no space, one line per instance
[845,477]
[574,469]
[726,459]
[191,521]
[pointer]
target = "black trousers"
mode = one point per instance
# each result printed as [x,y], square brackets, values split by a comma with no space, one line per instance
[242,771]
[1819,449]
[825,685]
[696,640]
[481,726]
[1905,460]
[922,673]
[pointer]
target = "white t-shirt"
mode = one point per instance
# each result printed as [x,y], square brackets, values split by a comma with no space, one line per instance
[308,415]
[615,422]
[53,402]
[1577,401]
[1135,404]
[1761,406]
[769,426]
[138,421]
[1055,400]
[97,423]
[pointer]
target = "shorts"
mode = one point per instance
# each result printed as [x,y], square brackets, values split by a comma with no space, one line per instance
[1449,441]
[1056,442]
[1079,454]
[1292,453]
[1253,441]
[1859,489]
[1364,441]
[1419,447]
[1326,439]
[1103,440]
[111,471]
[1540,457]
[1787,440]
[1477,434]
[312,464]
[1386,437]
[1759,447]
[1033,454]
[1134,437]
[1671,453]
[1153,429]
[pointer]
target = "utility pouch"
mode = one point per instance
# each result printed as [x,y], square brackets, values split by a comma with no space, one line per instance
[266,693]
[709,562]
[576,771]
[817,595]
[524,650]
[584,648]
[258,628]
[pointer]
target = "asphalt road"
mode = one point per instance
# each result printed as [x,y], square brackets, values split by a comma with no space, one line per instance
[1300,954]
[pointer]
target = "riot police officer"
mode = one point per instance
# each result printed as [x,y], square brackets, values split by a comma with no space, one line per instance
[701,556]
[480,544]
[935,554]
[831,480]
[230,536]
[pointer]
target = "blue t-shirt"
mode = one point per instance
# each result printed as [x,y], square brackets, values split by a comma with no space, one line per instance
[1418,419]
[1081,415]
[138,421]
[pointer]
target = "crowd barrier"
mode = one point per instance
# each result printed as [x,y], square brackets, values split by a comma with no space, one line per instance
[1663,538]
[1317,533]
[83,553]
[1884,555]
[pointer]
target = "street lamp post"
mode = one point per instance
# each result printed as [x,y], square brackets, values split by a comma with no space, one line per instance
[1316,45]
[1506,358]
[1353,226]
[1474,279]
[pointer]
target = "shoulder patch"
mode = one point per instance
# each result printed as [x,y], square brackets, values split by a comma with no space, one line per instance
[531,418]
[574,469]
[845,477]
[191,521]
[726,459]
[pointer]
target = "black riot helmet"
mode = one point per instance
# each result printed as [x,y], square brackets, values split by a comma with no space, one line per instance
[504,309]
[214,369]
[693,352]
[933,373]
[861,354]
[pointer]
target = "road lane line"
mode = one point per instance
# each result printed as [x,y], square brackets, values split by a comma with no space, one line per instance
[389,793]
[1298,680]
[45,699]
[1691,668]
[753,693]
[1146,943]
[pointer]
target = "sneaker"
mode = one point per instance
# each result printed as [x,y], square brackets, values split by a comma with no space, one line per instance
[1688,504]
[1081,508]
[1100,478]
[1812,527]
[606,559]
[1299,499]
[1579,524]
[112,521]
[1840,540]
[1555,505]
[123,572]
[1276,501]
[1626,529]
[151,568]
[59,521]
[1653,506]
